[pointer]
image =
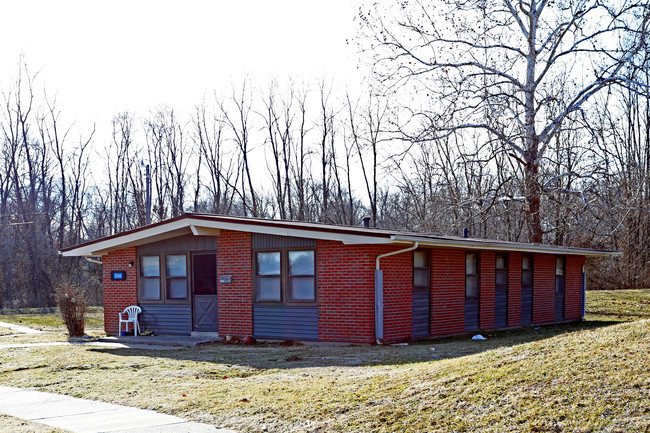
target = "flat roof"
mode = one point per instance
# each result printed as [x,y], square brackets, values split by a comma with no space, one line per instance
[208,224]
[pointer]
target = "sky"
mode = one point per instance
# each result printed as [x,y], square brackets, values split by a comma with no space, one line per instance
[100,58]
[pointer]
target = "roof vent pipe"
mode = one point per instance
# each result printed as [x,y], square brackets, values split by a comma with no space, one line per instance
[466,232]
[366,222]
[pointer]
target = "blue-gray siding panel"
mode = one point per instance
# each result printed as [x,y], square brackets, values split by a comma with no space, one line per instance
[171,319]
[583,287]
[285,322]
[471,315]
[259,240]
[526,304]
[501,307]
[421,305]
[501,298]
[180,244]
[559,298]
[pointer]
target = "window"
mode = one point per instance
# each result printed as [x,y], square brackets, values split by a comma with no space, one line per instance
[471,276]
[285,276]
[559,276]
[526,271]
[302,276]
[559,266]
[501,270]
[161,283]
[421,269]
[176,271]
[269,273]
[150,278]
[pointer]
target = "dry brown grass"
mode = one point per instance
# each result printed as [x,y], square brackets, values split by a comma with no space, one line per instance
[590,376]
[6,331]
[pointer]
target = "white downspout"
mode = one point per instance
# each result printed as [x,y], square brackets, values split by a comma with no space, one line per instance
[379,292]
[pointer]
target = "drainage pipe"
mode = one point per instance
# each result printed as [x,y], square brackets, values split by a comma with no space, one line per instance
[379,292]
[92,260]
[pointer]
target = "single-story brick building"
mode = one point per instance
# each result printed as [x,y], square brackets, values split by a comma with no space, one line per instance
[307,281]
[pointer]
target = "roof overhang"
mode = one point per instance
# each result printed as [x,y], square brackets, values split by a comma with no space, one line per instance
[206,227]
[480,244]
[211,225]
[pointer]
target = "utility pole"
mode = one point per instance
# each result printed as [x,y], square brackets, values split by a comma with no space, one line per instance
[147,204]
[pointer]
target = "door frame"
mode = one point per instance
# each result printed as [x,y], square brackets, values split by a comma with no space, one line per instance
[193,254]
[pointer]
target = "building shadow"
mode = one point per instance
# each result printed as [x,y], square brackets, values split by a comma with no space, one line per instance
[293,355]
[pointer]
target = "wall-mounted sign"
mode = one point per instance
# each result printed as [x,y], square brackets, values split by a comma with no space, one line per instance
[118,275]
[225,279]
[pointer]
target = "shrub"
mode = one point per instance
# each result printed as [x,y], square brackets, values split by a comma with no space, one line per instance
[72,302]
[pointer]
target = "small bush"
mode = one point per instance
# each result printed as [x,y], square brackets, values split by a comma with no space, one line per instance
[72,302]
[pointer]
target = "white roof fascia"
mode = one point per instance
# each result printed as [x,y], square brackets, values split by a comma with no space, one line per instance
[206,227]
[202,227]
[161,232]
[497,246]
[348,239]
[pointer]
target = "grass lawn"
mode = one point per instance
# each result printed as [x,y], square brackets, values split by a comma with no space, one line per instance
[48,319]
[588,376]
[6,331]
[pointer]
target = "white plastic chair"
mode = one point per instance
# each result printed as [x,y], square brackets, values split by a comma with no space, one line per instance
[132,317]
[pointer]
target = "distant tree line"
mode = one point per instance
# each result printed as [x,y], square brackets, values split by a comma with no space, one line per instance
[470,158]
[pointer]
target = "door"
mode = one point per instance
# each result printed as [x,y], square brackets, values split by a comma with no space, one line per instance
[526,289]
[583,288]
[501,292]
[421,294]
[472,292]
[559,288]
[205,314]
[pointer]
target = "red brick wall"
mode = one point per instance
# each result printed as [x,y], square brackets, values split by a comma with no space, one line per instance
[118,294]
[235,302]
[572,287]
[447,291]
[514,289]
[487,283]
[398,294]
[346,289]
[346,292]
[544,288]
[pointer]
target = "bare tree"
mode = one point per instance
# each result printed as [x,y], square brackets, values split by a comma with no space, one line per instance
[223,169]
[239,124]
[368,132]
[301,155]
[278,118]
[169,161]
[494,65]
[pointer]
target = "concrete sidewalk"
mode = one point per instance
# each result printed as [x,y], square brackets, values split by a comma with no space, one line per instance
[86,416]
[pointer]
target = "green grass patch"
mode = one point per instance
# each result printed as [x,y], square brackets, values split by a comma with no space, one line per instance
[618,305]
[48,319]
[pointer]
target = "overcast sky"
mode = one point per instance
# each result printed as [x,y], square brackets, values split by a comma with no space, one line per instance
[104,57]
